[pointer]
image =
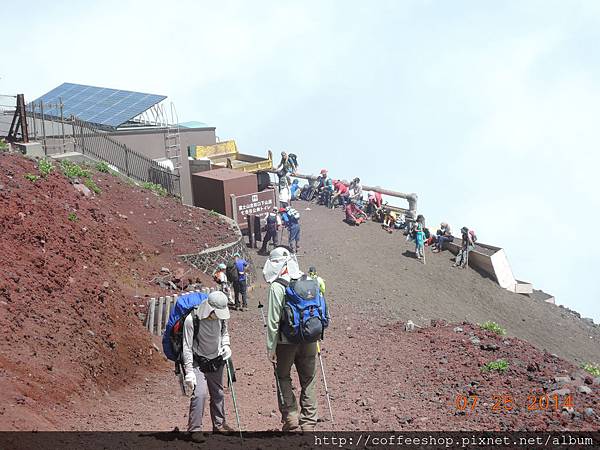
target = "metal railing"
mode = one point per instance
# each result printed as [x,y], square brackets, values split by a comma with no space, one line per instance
[91,141]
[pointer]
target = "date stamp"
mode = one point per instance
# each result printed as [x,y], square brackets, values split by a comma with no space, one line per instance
[507,402]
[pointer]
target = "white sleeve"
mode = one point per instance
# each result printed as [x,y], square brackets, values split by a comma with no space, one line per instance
[188,343]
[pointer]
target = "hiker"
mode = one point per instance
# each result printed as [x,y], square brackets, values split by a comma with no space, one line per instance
[240,285]
[444,234]
[284,196]
[289,163]
[322,179]
[281,271]
[341,192]
[312,273]
[357,192]
[354,215]
[272,230]
[326,192]
[389,219]
[293,224]
[419,241]
[220,277]
[206,348]
[468,245]
[295,190]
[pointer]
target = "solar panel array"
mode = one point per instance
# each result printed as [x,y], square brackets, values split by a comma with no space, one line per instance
[96,105]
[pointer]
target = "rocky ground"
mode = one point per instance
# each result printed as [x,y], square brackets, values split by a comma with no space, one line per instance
[380,376]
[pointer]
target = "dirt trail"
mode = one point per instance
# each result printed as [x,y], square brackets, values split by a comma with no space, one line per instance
[380,376]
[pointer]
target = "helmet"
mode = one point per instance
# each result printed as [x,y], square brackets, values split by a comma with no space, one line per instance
[222,266]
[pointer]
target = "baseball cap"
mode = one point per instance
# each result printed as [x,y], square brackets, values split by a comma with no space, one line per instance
[217,301]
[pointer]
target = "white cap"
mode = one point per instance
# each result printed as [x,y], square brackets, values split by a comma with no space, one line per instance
[217,301]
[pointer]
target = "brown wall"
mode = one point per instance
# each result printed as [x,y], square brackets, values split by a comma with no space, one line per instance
[210,191]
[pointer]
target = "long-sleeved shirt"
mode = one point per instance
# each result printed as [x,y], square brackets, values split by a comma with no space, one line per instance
[211,337]
[276,299]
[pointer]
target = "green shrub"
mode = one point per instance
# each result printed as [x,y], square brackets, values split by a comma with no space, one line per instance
[31,177]
[91,185]
[72,217]
[45,167]
[3,145]
[500,365]
[591,368]
[72,170]
[213,213]
[493,327]
[102,167]
[156,188]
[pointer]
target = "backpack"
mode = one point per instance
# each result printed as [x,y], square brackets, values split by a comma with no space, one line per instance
[473,236]
[232,272]
[293,159]
[173,336]
[293,214]
[304,317]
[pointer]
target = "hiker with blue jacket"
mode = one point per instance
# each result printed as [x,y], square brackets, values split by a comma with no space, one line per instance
[281,271]
[206,348]
[240,286]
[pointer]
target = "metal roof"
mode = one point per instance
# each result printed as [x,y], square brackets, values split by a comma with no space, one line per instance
[100,106]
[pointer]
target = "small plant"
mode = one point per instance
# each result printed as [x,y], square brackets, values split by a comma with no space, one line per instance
[72,217]
[102,167]
[156,188]
[493,327]
[500,365]
[31,177]
[72,170]
[45,167]
[213,213]
[592,369]
[3,145]
[91,185]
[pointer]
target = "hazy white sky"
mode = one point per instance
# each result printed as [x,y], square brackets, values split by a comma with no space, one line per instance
[487,110]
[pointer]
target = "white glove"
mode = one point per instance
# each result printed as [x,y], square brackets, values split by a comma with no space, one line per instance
[190,382]
[226,352]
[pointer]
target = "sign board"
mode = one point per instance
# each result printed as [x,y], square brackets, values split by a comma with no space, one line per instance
[257,203]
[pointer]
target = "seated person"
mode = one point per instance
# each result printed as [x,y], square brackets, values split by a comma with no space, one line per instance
[354,215]
[444,235]
[295,190]
[389,220]
[341,192]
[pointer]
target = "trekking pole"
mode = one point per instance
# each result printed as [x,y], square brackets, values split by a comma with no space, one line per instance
[230,377]
[325,384]
[279,393]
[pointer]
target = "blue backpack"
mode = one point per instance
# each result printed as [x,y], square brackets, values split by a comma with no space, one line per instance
[304,316]
[173,336]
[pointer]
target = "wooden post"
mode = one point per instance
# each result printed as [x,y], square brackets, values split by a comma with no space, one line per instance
[151,306]
[251,231]
[161,304]
[257,231]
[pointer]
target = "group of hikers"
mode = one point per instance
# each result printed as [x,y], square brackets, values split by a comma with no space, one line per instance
[349,195]
[197,337]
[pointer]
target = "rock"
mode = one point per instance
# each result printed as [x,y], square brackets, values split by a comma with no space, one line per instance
[597,380]
[106,284]
[458,330]
[354,421]
[155,347]
[403,419]
[588,380]
[489,347]
[588,320]
[91,333]
[82,189]
[561,392]
[506,342]
[562,380]
[165,270]
[584,389]
[475,340]
[589,412]
[374,419]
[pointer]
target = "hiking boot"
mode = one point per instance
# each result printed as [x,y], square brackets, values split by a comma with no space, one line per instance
[290,425]
[223,429]
[198,437]
[308,428]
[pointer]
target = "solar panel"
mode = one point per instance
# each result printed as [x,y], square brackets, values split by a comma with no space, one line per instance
[100,106]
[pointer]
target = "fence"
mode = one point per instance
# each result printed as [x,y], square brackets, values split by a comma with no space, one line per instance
[96,143]
[159,310]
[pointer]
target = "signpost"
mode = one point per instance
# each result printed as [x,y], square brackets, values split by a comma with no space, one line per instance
[255,204]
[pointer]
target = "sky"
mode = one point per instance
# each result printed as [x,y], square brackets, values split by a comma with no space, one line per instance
[487,110]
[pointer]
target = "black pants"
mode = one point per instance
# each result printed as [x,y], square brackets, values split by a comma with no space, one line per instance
[270,234]
[239,287]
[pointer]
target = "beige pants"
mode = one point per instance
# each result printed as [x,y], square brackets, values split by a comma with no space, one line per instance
[303,356]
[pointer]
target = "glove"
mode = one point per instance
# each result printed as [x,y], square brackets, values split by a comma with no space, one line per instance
[190,382]
[272,356]
[226,352]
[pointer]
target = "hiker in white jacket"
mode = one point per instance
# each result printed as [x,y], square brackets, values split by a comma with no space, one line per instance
[205,352]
